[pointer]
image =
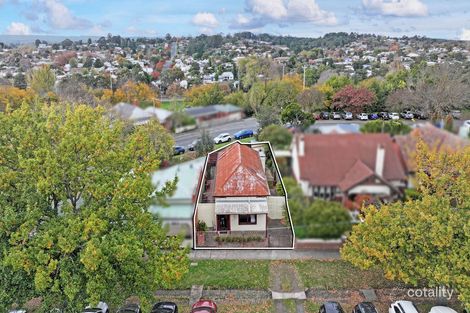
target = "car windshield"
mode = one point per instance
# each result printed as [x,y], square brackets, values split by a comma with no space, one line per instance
[203,309]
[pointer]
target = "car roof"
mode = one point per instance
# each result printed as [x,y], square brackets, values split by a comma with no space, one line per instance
[407,306]
[367,307]
[441,309]
[332,306]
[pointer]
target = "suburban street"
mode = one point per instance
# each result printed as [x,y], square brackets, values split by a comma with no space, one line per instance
[184,139]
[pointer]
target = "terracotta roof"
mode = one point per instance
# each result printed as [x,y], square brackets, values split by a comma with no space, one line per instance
[239,172]
[435,138]
[343,160]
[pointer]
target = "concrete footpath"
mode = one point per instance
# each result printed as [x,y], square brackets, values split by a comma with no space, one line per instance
[263,255]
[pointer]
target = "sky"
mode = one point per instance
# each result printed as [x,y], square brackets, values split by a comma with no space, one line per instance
[448,19]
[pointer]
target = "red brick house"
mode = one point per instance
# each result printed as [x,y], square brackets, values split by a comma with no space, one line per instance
[351,168]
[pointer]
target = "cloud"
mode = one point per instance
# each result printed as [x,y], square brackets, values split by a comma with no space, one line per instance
[262,12]
[59,16]
[205,19]
[396,7]
[465,35]
[16,28]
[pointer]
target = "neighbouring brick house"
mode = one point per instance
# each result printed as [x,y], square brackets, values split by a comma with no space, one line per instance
[350,168]
[241,196]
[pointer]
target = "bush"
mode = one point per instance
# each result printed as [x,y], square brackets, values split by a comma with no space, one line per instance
[390,127]
[324,219]
[201,226]
[278,136]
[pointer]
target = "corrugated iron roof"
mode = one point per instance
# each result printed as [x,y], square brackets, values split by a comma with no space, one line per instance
[239,172]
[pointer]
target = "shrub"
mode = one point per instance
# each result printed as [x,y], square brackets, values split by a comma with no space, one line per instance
[278,136]
[201,226]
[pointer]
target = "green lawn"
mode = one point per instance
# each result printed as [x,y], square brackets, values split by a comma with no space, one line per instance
[220,145]
[173,105]
[227,274]
[339,275]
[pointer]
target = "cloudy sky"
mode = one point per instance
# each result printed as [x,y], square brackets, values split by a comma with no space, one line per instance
[312,18]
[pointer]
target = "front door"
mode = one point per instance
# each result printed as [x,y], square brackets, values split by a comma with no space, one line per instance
[223,222]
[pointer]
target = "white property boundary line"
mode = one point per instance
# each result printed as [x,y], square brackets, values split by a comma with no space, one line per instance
[202,177]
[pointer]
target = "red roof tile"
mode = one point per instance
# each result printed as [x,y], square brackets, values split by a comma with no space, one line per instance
[239,173]
[331,160]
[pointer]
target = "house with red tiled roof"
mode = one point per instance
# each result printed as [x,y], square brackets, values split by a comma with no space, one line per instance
[351,168]
[242,202]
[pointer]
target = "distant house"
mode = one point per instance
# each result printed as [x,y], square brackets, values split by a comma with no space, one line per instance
[138,116]
[177,212]
[226,76]
[162,115]
[435,138]
[242,200]
[215,114]
[350,168]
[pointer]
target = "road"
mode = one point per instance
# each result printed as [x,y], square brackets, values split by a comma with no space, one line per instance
[185,139]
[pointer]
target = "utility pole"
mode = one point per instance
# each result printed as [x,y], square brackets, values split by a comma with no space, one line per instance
[283,66]
[304,75]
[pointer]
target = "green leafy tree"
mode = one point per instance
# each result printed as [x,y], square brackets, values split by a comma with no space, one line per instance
[278,136]
[74,222]
[205,144]
[20,81]
[391,127]
[423,240]
[293,114]
[42,80]
[323,219]
[297,201]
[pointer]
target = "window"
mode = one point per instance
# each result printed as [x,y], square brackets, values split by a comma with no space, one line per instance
[397,310]
[247,219]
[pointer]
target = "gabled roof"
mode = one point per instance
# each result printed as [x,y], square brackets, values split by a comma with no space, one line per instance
[239,172]
[343,159]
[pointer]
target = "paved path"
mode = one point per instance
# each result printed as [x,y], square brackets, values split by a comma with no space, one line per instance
[288,291]
[263,254]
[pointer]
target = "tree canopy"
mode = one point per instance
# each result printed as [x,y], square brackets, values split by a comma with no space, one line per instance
[74,224]
[425,239]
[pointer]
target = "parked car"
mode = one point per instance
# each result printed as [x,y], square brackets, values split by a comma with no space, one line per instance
[384,115]
[336,115]
[402,306]
[362,116]
[330,307]
[177,150]
[130,308]
[192,145]
[102,307]
[348,116]
[420,115]
[204,306]
[364,307]
[456,114]
[224,137]
[324,116]
[246,133]
[394,116]
[373,116]
[164,307]
[441,309]
[407,115]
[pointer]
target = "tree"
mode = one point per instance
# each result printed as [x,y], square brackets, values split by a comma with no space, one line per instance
[11,98]
[206,94]
[323,219]
[423,241]
[74,216]
[98,63]
[353,99]
[139,93]
[391,127]
[293,114]
[278,136]
[205,144]
[73,91]
[297,201]
[311,100]
[268,116]
[20,81]
[254,69]
[42,80]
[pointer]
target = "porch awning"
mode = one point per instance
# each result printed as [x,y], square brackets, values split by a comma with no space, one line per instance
[241,206]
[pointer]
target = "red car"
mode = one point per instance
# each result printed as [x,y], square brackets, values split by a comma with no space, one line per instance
[204,306]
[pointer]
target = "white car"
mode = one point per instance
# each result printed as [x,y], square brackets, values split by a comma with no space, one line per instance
[362,117]
[394,116]
[402,306]
[441,309]
[464,130]
[225,137]
[102,307]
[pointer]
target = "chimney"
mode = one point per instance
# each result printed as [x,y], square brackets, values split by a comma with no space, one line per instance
[380,160]
[301,146]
